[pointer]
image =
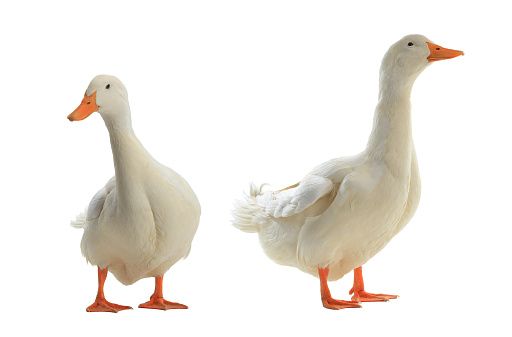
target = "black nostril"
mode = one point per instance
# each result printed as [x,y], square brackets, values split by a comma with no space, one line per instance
[437,48]
[88,102]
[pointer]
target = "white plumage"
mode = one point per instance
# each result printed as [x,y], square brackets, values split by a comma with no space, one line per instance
[144,219]
[346,210]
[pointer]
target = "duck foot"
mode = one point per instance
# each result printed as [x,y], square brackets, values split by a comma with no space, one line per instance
[161,304]
[363,296]
[327,301]
[331,303]
[102,305]
[157,299]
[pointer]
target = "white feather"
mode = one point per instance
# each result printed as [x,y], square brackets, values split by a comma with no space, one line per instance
[79,222]
[297,199]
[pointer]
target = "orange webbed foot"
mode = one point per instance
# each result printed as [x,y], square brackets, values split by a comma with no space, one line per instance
[157,300]
[161,304]
[363,296]
[327,301]
[102,305]
[331,303]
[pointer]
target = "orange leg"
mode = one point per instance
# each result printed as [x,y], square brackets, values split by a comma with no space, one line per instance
[327,300]
[157,299]
[101,304]
[361,295]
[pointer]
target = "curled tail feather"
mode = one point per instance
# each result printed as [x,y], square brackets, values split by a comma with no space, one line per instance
[247,215]
[79,222]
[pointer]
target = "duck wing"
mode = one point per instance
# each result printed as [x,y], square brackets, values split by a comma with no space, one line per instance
[296,198]
[96,205]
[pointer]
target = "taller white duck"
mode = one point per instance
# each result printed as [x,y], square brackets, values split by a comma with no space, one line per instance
[347,209]
[144,219]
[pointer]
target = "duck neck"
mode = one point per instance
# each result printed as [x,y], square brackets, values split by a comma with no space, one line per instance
[130,157]
[391,141]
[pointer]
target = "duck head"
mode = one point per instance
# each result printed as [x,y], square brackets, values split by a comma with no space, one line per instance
[408,57]
[107,95]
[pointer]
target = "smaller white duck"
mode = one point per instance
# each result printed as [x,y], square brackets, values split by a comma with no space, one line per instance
[144,219]
[347,209]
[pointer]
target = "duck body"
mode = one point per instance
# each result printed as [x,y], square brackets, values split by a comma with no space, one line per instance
[144,219]
[365,208]
[146,235]
[348,209]
[365,200]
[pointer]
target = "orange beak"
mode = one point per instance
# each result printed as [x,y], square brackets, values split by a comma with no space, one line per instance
[438,53]
[87,107]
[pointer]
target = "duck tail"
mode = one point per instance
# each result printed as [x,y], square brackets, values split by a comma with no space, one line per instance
[79,222]
[247,214]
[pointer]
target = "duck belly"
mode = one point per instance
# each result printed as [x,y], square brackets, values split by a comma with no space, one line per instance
[379,235]
[117,244]
[279,237]
[359,224]
[144,242]
[374,232]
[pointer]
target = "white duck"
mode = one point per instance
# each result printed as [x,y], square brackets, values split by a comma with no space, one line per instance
[144,219]
[347,209]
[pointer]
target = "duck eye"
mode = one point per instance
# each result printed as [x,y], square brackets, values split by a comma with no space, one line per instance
[108,86]
[410,44]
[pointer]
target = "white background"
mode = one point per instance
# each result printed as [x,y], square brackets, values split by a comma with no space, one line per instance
[229,92]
